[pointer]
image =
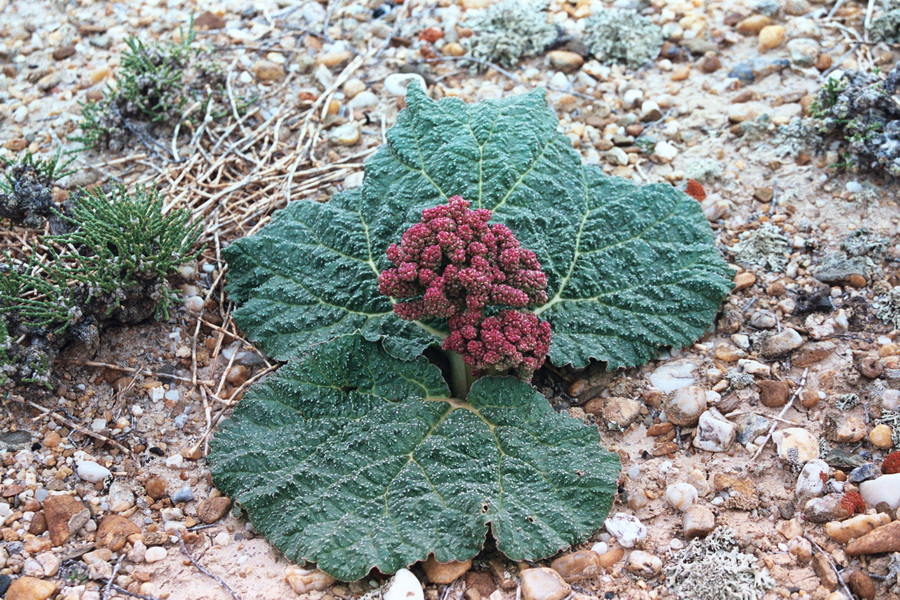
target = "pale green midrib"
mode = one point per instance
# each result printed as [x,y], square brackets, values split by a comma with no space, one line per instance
[565,280]
[317,299]
[557,298]
[365,225]
[468,124]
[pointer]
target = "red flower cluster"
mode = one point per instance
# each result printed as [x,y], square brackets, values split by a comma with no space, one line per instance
[453,265]
[512,340]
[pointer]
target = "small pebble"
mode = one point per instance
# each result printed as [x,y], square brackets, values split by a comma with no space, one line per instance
[396,83]
[155,554]
[405,586]
[881,436]
[627,529]
[681,496]
[185,494]
[771,37]
[91,471]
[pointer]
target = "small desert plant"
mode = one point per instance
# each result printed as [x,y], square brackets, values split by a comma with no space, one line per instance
[479,237]
[36,295]
[858,111]
[153,91]
[125,239]
[111,265]
[26,189]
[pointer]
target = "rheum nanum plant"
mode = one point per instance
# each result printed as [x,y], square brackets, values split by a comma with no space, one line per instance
[354,455]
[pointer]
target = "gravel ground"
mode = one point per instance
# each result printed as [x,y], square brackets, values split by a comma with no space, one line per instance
[106,473]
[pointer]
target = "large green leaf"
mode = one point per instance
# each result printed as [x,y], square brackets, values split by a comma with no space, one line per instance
[644,274]
[354,460]
[310,276]
[630,269]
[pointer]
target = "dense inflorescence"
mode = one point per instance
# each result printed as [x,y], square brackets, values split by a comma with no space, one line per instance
[511,340]
[454,265]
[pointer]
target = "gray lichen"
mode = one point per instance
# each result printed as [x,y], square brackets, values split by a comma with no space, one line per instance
[764,247]
[703,170]
[797,136]
[509,31]
[861,253]
[847,401]
[888,307]
[886,27]
[716,569]
[622,35]
[892,581]
[891,418]
[863,242]
[739,380]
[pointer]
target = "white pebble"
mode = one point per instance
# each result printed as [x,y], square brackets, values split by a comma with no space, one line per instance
[194,305]
[681,496]
[627,529]
[882,489]
[715,433]
[91,471]
[396,83]
[600,547]
[673,376]
[560,81]
[155,554]
[633,97]
[810,481]
[175,461]
[664,151]
[405,586]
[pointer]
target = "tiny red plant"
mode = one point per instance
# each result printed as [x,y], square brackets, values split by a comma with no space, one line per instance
[695,190]
[454,265]
[891,463]
[853,502]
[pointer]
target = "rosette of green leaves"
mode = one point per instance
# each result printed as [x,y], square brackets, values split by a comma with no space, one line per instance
[352,456]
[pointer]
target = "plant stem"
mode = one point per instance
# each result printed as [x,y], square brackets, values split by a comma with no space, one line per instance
[461,377]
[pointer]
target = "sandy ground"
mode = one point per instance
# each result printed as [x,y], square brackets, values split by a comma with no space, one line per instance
[701,116]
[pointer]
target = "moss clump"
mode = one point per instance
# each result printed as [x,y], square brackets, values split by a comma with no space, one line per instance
[622,35]
[111,266]
[26,189]
[764,247]
[509,31]
[715,569]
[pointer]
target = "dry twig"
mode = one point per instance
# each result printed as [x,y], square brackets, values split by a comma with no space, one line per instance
[206,572]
